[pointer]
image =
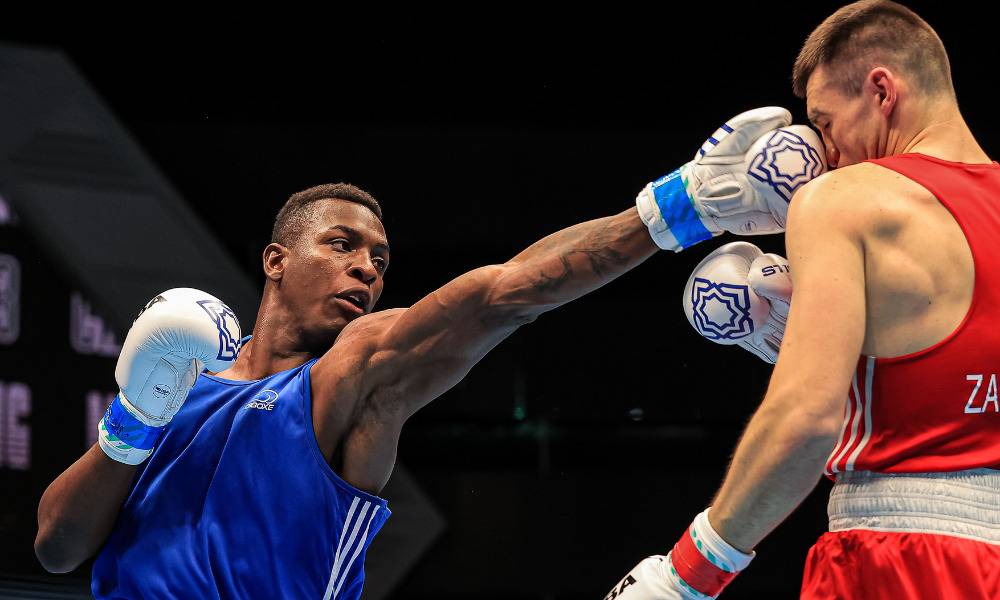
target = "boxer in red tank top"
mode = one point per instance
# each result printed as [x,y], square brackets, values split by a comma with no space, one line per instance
[931,410]
[931,417]
[895,258]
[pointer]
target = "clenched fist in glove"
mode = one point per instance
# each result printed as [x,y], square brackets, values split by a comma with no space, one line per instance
[741,181]
[739,295]
[178,334]
[699,567]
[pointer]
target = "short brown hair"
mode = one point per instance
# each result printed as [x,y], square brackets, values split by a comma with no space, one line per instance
[870,33]
[298,209]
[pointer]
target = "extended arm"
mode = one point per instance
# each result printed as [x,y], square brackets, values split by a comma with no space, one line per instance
[573,262]
[432,345]
[425,350]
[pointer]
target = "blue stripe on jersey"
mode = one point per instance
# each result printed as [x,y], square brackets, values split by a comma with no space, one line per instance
[237,501]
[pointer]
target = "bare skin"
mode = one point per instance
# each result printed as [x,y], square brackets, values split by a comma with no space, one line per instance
[880,258]
[375,369]
[78,510]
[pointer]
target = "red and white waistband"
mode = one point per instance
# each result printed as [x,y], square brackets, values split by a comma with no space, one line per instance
[963,504]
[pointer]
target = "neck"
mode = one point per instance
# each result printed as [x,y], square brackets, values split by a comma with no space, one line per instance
[276,344]
[942,133]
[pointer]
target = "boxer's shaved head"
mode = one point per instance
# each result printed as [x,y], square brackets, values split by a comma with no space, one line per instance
[298,209]
[874,33]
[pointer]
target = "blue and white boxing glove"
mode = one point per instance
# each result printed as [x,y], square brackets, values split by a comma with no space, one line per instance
[737,295]
[741,180]
[178,334]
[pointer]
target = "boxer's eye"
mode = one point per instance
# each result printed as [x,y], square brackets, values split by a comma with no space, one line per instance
[341,245]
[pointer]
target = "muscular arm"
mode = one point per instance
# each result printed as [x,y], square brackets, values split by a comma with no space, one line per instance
[78,509]
[783,450]
[575,261]
[428,348]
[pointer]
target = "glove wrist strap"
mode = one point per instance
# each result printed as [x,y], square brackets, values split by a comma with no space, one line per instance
[670,214]
[125,438]
[703,561]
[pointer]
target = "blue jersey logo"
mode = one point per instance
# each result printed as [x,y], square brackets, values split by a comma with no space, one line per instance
[721,311]
[263,401]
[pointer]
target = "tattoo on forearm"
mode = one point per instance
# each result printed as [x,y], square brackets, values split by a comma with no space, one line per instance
[597,248]
[552,283]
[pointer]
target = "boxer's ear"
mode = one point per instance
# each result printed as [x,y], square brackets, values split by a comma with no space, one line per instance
[275,258]
[883,86]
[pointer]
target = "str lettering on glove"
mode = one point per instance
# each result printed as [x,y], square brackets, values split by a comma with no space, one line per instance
[739,295]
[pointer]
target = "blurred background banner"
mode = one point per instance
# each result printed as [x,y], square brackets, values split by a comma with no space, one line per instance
[132,162]
[96,206]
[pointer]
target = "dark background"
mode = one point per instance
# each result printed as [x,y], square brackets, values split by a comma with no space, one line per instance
[591,437]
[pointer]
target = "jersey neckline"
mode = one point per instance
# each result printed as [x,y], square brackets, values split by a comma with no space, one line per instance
[251,381]
[236,381]
[990,165]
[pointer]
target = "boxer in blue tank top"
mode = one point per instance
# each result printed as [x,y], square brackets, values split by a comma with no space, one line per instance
[212,497]
[264,483]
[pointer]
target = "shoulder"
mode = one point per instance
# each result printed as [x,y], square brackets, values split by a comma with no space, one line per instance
[852,200]
[353,350]
[340,373]
[845,189]
[359,339]
[368,326]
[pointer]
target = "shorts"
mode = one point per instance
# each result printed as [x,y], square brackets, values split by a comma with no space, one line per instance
[859,564]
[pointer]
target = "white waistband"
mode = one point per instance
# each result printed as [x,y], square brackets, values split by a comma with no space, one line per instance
[963,503]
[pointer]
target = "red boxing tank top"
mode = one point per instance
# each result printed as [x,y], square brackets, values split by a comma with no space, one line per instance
[937,409]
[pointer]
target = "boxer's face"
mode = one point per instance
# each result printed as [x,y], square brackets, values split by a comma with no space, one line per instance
[333,274]
[851,127]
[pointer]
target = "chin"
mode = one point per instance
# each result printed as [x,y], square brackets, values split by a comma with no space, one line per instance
[336,324]
[329,324]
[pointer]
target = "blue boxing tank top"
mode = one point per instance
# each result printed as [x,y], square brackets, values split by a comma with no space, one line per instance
[237,501]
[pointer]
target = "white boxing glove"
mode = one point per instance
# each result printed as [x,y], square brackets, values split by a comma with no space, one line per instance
[741,181]
[739,295]
[178,334]
[649,580]
[699,567]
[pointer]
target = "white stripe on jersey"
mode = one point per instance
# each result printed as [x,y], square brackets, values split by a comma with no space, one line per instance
[357,550]
[341,550]
[869,373]
[336,558]
[840,437]
[855,418]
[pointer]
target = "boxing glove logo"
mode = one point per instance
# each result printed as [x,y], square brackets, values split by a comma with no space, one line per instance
[785,163]
[228,326]
[721,310]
